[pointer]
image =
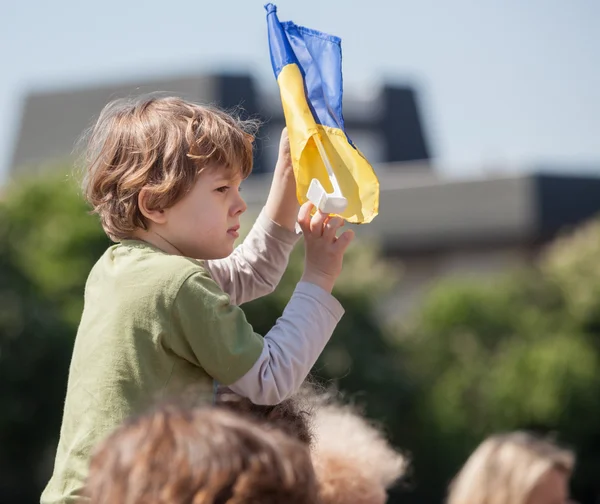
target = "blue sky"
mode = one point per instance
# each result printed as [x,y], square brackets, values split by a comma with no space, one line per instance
[503,83]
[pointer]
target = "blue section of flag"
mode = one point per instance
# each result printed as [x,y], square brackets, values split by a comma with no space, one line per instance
[319,57]
[282,53]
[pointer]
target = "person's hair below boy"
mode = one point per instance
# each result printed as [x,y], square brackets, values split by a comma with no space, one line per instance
[161,307]
[514,468]
[353,460]
[202,456]
[293,416]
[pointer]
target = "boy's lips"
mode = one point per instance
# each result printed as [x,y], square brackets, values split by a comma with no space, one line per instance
[233,231]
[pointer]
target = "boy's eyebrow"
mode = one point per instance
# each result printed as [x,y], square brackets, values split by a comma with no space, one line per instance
[229,179]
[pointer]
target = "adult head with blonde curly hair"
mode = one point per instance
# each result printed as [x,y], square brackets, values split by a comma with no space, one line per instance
[514,468]
[354,461]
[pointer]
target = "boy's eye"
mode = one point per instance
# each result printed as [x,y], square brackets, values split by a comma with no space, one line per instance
[222,189]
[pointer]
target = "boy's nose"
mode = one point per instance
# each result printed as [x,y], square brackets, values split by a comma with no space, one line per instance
[240,206]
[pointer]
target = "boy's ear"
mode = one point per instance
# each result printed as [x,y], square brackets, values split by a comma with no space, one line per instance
[154,215]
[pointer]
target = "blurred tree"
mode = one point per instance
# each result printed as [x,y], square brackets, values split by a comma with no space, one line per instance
[572,264]
[53,239]
[48,243]
[517,351]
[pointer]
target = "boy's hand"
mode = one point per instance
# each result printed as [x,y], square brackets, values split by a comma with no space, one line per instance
[282,203]
[324,251]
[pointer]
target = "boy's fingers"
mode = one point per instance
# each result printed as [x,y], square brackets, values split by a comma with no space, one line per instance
[284,143]
[317,222]
[341,244]
[331,227]
[304,217]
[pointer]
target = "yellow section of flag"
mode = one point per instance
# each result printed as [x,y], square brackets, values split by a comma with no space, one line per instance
[356,178]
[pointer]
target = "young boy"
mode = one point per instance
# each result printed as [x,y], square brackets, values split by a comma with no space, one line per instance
[161,306]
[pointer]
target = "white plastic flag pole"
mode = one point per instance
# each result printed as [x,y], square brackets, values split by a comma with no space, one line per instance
[333,203]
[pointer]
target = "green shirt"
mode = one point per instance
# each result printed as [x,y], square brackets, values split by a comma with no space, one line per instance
[153,324]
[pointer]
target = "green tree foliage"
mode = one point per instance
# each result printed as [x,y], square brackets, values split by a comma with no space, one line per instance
[519,351]
[572,264]
[53,239]
[48,243]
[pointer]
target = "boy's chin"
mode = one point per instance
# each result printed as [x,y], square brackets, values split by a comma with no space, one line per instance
[217,254]
[227,251]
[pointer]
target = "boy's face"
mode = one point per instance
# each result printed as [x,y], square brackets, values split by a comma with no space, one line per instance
[204,223]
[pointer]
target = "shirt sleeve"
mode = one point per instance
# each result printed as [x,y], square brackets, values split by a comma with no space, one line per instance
[292,346]
[210,332]
[256,266]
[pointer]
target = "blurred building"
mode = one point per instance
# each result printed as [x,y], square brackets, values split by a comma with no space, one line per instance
[388,127]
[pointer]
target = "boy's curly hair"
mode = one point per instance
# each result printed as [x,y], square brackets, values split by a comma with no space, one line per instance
[161,144]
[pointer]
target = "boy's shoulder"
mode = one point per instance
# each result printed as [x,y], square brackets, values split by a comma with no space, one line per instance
[140,264]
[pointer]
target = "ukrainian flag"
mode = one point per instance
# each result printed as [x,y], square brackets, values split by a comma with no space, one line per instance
[308,68]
